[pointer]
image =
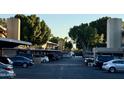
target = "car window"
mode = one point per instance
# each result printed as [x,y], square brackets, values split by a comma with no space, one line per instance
[119,62]
[16,58]
[122,62]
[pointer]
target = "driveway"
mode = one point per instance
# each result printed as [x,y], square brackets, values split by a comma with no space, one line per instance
[66,68]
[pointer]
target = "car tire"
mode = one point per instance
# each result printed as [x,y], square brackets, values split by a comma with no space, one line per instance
[44,61]
[25,65]
[112,69]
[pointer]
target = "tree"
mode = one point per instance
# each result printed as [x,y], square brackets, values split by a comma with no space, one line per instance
[54,39]
[101,26]
[3,22]
[85,36]
[90,35]
[74,32]
[68,45]
[33,30]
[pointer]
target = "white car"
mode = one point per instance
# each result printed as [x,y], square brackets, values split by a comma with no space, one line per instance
[6,71]
[44,59]
[114,65]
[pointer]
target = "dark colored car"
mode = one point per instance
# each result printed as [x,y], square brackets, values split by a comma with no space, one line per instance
[54,55]
[88,60]
[51,57]
[30,56]
[101,59]
[21,61]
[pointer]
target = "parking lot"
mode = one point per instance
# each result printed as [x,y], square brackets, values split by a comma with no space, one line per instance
[66,68]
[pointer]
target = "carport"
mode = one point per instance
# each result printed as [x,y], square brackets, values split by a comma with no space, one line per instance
[11,43]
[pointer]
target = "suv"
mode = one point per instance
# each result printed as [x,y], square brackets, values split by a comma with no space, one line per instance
[100,59]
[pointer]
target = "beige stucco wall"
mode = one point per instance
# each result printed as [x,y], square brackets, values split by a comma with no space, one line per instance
[13,28]
[61,45]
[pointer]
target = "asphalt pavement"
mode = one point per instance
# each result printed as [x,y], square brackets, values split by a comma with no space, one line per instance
[66,68]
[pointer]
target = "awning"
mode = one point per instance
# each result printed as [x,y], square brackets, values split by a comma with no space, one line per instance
[10,43]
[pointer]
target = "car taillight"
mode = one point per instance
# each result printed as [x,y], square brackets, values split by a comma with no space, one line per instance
[8,69]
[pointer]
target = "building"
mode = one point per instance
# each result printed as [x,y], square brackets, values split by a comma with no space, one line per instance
[115,39]
[61,44]
[10,37]
[7,46]
[13,28]
[50,45]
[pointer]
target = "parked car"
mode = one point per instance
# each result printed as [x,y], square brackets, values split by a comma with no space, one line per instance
[78,53]
[72,53]
[52,56]
[66,55]
[6,71]
[21,61]
[114,65]
[44,59]
[30,56]
[88,60]
[41,58]
[100,59]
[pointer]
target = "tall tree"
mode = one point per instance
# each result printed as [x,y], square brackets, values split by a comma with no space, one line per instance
[101,26]
[68,45]
[54,39]
[85,36]
[74,32]
[33,30]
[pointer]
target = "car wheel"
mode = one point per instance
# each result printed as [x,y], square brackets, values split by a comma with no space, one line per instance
[112,69]
[44,60]
[25,65]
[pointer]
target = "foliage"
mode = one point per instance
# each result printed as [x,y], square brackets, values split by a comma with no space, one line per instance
[68,45]
[3,22]
[85,36]
[90,35]
[54,39]
[33,30]
[101,26]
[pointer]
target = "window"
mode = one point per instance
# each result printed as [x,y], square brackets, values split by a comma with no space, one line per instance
[119,62]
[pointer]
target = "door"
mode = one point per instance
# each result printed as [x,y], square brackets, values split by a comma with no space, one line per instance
[119,65]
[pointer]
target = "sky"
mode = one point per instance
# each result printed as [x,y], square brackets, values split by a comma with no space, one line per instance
[61,23]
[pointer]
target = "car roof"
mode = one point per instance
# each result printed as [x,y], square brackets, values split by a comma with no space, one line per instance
[23,57]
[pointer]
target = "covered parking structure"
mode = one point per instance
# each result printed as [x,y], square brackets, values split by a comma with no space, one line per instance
[11,43]
[119,53]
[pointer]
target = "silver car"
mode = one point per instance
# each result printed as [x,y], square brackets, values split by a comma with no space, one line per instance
[6,71]
[114,65]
